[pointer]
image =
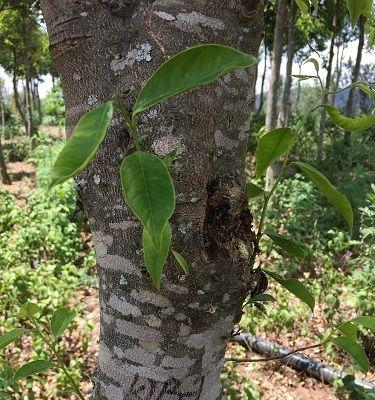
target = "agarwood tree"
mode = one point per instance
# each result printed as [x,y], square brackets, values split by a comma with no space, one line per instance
[167,343]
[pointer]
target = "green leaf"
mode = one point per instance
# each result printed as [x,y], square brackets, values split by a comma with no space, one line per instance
[148,191]
[262,297]
[349,124]
[28,309]
[253,191]
[11,337]
[356,8]
[371,38]
[155,257]
[61,319]
[290,246]
[365,321]
[303,5]
[189,69]
[348,329]
[171,157]
[32,368]
[181,261]
[315,62]
[365,87]
[315,4]
[271,146]
[83,144]
[354,350]
[339,201]
[295,287]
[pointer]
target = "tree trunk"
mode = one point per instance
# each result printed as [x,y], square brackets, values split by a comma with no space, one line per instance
[18,104]
[271,116]
[350,103]
[298,90]
[261,97]
[339,60]
[3,168]
[322,125]
[167,343]
[286,103]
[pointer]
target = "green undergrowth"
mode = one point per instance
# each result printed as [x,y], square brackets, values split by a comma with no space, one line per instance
[43,259]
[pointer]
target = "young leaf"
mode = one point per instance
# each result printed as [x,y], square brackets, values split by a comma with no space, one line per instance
[61,319]
[303,5]
[262,297]
[149,192]
[81,147]
[348,329]
[315,62]
[271,146]
[154,257]
[181,261]
[356,8]
[365,87]
[11,337]
[349,124]
[295,287]
[28,309]
[365,321]
[340,202]
[290,246]
[171,157]
[32,368]
[189,69]
[253,191]
[354,350]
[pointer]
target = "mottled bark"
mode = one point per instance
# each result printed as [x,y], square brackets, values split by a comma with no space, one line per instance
[166,344]
[272,94]
[17,102]
[349,108]
[322,125]
[286,102]
[3,168]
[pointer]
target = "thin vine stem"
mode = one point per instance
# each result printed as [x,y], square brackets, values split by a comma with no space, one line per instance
[253,360]
[281,175]
[60,362]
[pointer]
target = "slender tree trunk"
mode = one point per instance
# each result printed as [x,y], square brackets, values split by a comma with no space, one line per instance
[337,76]
[286,103]
[350,103]
[298,90]
[18,104]
[261,98]
[3,168]
[322,125]
[38,105]
[271,116]
[168,343]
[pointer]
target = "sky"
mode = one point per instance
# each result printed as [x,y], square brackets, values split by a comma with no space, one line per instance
[307,69]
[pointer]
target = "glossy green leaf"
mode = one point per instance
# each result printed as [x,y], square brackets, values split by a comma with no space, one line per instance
[365,88]
[348,329]
[253,190]
[271,146]
[290,246]
[365,321]
[148,191]
[262,297]
[354,350]
[303,5]
[32,368]
[81,147]
[11,337]
[349,124]
[356,8]
[28,309]
[189,69]
[295,287]
[155,257]
[61,319]
[339,201]
[313,61]
[182,262]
